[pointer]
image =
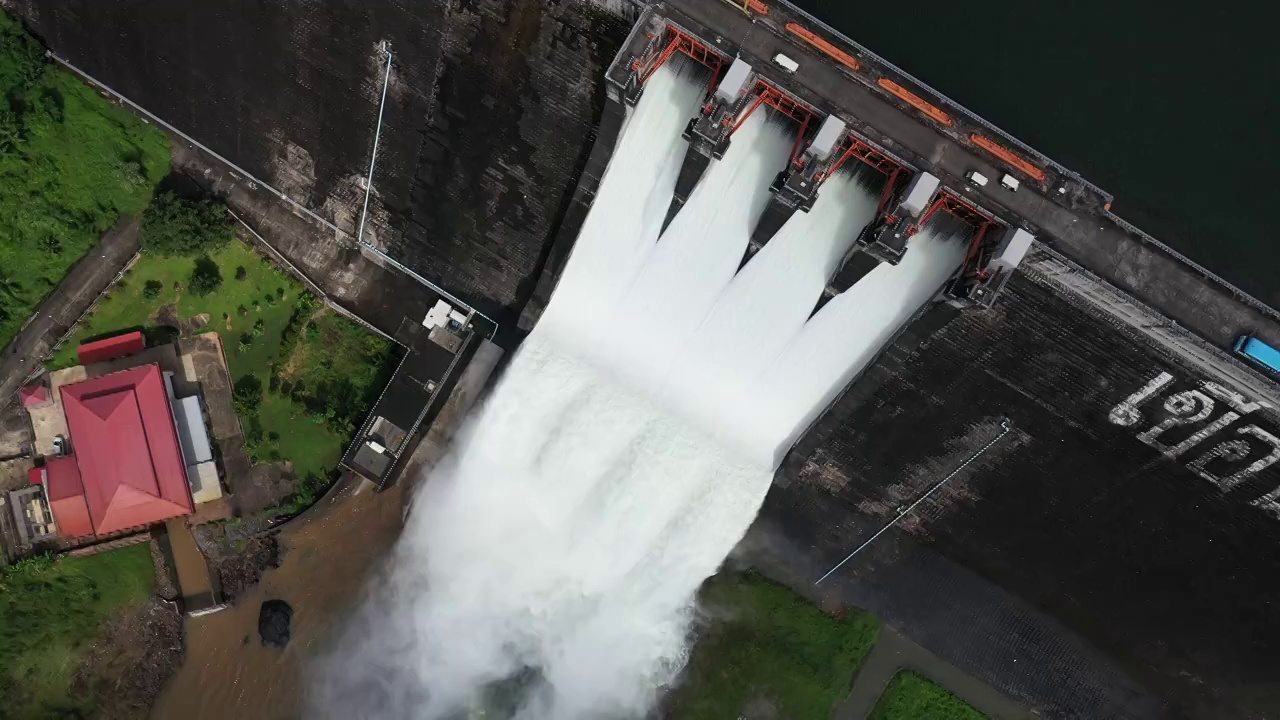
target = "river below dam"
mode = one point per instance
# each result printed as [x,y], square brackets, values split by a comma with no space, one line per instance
[328,556]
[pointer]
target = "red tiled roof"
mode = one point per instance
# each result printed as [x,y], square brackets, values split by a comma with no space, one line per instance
[66,498]
[35,475]
[112,347]
[34,395]
[126,449]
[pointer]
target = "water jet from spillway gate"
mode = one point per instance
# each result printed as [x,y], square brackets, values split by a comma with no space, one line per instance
[552,558]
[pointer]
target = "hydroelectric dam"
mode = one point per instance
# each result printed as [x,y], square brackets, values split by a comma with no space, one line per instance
[901,283]
[1139,471]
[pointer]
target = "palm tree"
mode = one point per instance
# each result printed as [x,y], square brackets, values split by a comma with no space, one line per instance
[10,130]
[9,288]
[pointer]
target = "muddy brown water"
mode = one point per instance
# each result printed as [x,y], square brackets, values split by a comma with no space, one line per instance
[327,560]
[193,570]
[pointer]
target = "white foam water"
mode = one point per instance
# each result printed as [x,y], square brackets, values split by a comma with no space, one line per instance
[845,336]
[549,565]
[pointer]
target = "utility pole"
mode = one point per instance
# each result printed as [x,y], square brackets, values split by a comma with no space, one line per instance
[1005,428]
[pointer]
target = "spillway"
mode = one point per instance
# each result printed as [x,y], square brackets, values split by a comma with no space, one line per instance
[622,230]
[548,569]
[762,312]
[847,334]
[696,259]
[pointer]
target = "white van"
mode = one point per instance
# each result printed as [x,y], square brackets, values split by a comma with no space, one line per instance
[976,178]
[786,63]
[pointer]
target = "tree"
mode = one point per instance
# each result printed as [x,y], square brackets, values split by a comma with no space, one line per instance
[241,273]
[132,175]
[10,131]
[253,430]
[205,277]
[173,225]
[10,288]
[22,60]
[259,327]
[152,289]
[246,396]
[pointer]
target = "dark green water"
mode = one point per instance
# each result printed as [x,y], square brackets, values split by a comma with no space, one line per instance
[1172,109]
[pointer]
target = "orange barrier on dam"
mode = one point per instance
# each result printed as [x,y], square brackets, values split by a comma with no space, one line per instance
[916,101]
[823,46]
[750,6]
[1007,155]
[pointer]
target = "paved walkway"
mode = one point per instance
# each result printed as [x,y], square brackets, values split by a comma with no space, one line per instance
[893,652]
[79,288]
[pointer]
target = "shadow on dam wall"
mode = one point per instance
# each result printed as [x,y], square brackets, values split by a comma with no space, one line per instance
[1072,538]
[491,109]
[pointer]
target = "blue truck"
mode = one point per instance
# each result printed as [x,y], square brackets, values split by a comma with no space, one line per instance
[1260,353]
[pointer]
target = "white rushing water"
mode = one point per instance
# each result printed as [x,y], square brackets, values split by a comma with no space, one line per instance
[548,568]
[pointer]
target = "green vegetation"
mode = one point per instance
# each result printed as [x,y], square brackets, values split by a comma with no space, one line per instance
[205,276]
[174,225]
[71,164]
[50,611]
[912,696]
[771,645]
[247,395]
[303,375]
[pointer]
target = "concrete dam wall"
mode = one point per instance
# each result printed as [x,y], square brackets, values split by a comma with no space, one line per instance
[490,107]
[1103,535]
[1115,555]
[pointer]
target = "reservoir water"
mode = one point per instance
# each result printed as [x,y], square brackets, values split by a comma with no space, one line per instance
[1167,108]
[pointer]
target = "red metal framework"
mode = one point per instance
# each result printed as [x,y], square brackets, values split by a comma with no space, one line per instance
[970,214]
[767,94]
[869,154]
[888,193]
[680,42]
[971,255]
[949,202]
[795,148]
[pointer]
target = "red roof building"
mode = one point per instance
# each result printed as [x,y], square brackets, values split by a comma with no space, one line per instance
[66,497]
[33,395]
[111,348]
[125,461]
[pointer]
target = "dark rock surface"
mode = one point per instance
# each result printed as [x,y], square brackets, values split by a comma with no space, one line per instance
[239,552]
[274,623]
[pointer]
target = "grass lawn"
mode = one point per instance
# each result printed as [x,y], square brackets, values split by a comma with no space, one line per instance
[50,612]
[320,372]
[771,645]
[71,164]
[912,696]
[128,307]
